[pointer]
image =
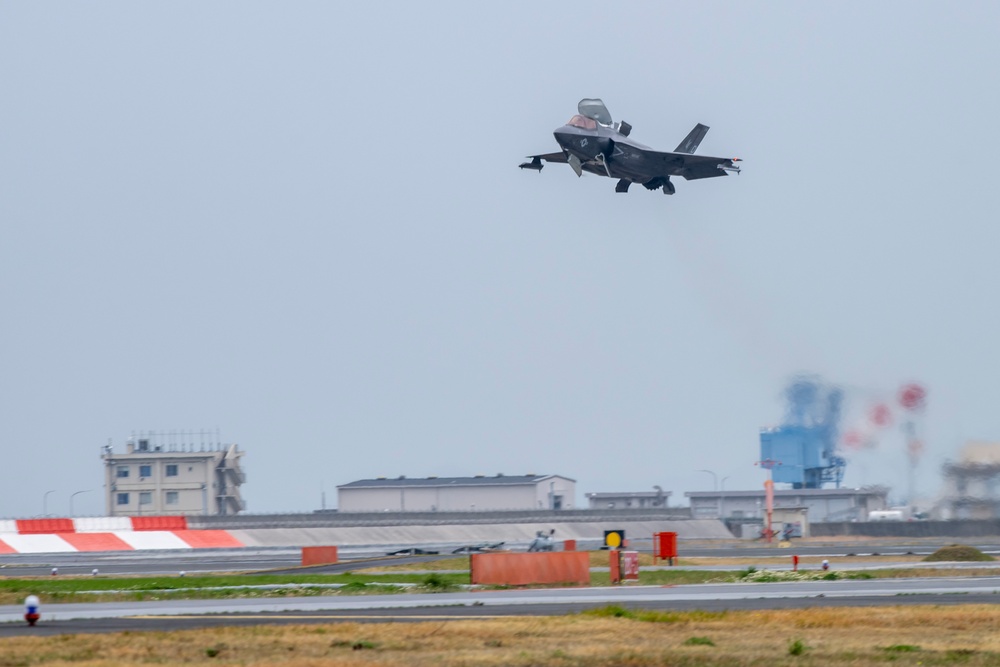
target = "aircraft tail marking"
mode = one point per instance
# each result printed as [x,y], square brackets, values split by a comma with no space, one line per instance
[692,140]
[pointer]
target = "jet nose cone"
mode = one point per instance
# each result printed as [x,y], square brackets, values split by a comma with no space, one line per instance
[586,146]
[564,138]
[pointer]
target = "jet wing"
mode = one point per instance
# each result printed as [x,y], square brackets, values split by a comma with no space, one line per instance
[536,160]
[703,166]
[690,167]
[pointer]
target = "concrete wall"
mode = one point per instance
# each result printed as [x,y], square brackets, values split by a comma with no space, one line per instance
[343,519]
[454,534]
[908,529]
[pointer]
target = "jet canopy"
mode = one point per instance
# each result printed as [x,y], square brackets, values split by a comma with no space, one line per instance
[595,109]
[582,122]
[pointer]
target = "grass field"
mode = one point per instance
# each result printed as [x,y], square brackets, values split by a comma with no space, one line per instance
[94,589]
[436,576]
[924,636]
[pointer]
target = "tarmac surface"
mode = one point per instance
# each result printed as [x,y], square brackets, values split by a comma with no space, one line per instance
[185,614]
[285,559]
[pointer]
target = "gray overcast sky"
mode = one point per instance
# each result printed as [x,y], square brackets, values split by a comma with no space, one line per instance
[303,223]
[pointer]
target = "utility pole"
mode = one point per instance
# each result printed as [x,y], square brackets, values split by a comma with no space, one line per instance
[768,464]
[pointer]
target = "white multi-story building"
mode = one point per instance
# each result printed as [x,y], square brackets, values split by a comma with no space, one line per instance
[151,478]
[972,484]
[457,494]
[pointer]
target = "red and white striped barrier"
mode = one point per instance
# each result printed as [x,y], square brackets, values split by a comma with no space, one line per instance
[108,534]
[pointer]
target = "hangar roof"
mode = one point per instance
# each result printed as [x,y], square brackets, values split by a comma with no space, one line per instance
[478,480]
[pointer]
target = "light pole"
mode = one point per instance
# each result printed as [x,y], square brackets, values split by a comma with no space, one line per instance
[74,495]
[715,479]
[722,496]
[45,502]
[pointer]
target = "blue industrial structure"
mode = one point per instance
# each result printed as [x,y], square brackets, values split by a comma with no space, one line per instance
[801,452]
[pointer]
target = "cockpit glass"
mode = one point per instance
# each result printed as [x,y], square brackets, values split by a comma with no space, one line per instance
[594,108]
[583,122]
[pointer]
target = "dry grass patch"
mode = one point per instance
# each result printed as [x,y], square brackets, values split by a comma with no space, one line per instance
[848,637]
[958,552]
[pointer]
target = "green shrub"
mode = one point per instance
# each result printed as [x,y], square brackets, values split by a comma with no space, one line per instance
[354,587]
[797,647]
[611,610]
[655,616]
[436,582]
[959,654]
[698,641]
[214,650]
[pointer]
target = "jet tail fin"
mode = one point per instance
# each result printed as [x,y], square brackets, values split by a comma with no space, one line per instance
[692,140]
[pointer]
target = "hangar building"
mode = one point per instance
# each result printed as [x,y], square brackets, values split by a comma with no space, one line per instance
[456,494]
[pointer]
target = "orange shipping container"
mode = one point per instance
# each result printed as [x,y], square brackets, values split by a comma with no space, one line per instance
[522,569]
[319,555]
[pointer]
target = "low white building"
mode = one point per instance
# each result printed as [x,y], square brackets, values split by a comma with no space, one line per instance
[820,504]
[457,494]
[602,500]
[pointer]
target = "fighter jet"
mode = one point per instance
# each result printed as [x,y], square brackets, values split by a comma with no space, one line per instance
[591,141]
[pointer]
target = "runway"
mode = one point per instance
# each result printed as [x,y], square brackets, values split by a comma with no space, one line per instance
[180,614]
[285,558]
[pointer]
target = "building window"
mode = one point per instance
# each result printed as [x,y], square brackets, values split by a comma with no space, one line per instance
[145,471]
[122,471]
[146,498]
[172,497]
[172,470]
[123,499]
